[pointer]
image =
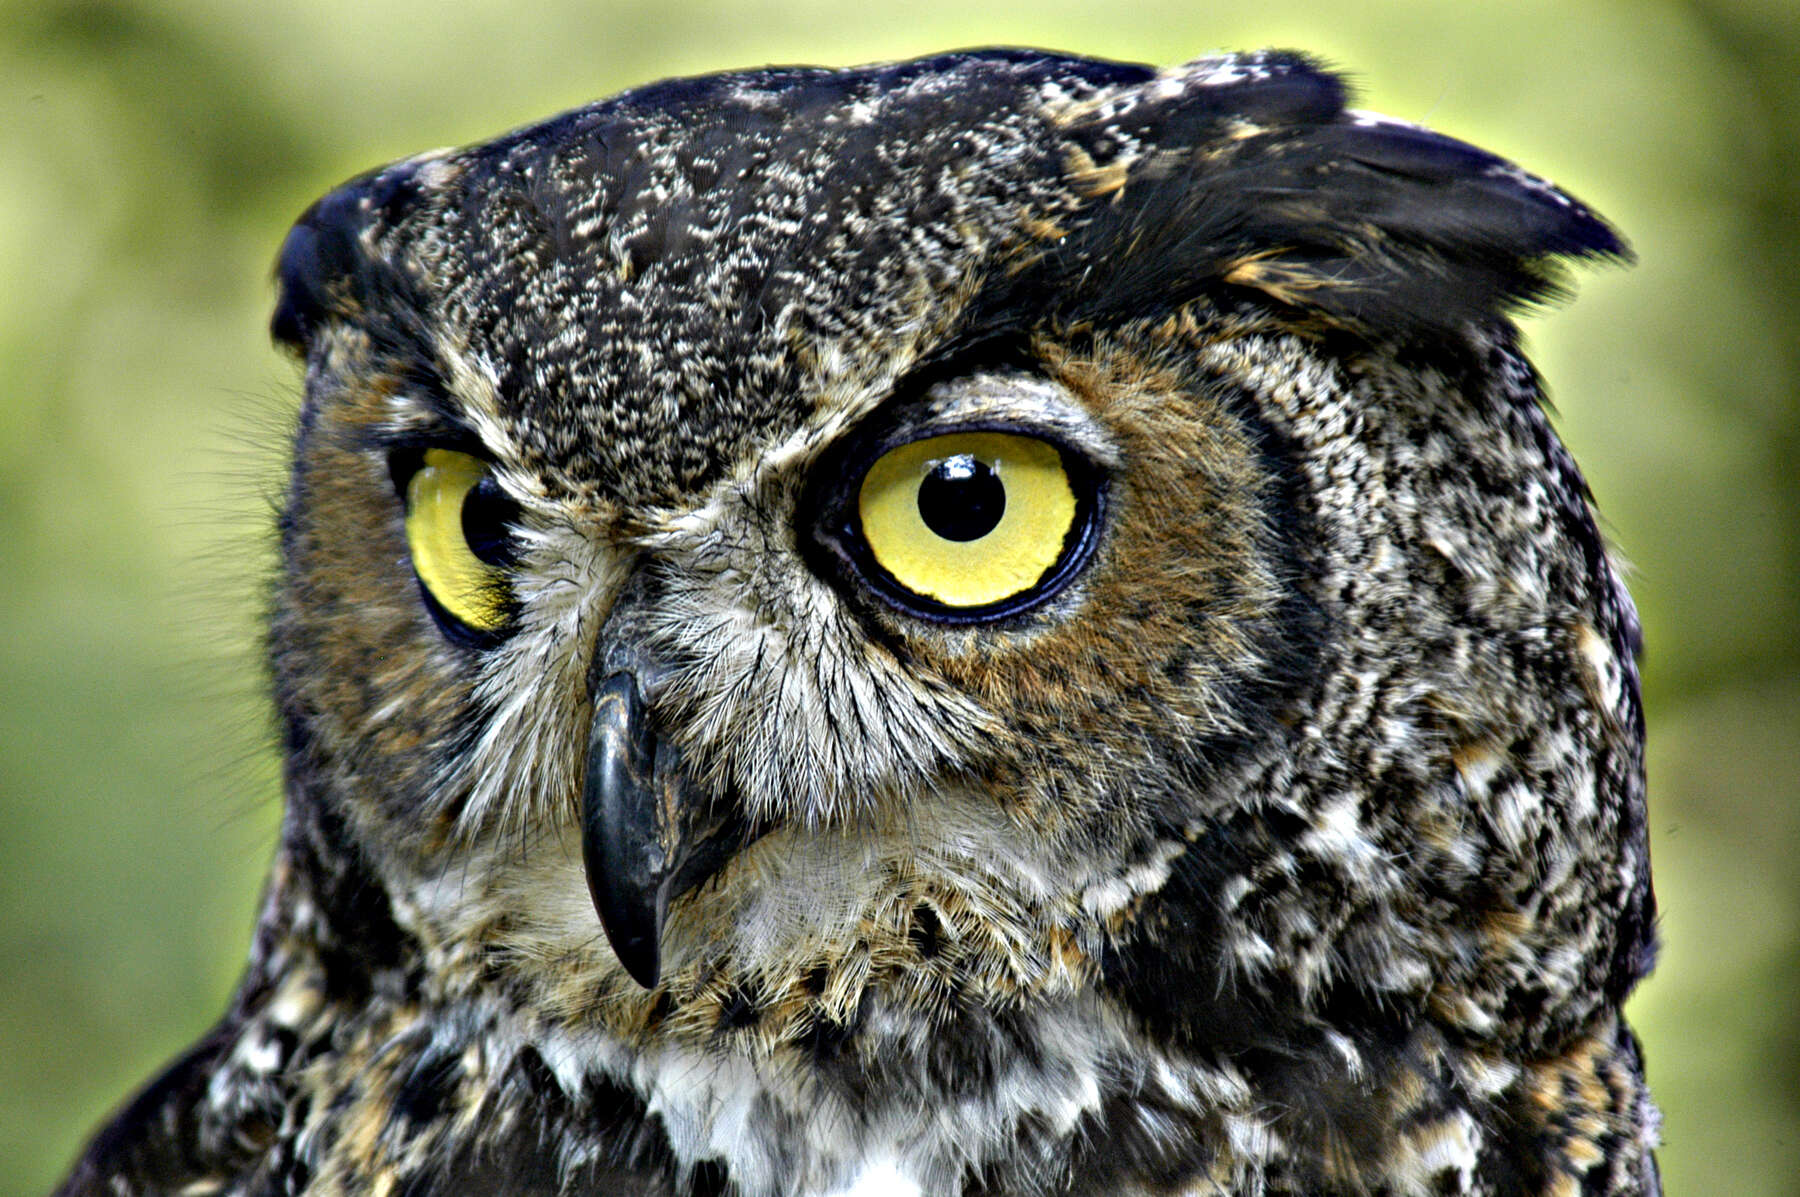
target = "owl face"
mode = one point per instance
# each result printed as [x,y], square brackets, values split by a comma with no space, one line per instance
[862,663]
[785,563]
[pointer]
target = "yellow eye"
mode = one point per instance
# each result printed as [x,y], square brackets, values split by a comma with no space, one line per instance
[970,519]
[456,518]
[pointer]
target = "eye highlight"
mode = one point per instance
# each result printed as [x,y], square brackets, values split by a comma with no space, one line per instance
[456,530]
[971,522]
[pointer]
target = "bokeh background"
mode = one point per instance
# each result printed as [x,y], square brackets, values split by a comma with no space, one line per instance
[152,153]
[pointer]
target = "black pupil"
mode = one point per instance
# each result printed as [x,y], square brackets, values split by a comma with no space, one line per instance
[962,498]
[487,519]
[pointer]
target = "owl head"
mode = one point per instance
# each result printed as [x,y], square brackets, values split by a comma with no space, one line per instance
[829,566]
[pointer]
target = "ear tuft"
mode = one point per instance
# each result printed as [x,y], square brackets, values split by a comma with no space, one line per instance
[328,267]
[1249,172]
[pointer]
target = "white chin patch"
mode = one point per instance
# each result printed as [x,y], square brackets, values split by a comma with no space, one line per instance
[880,1178]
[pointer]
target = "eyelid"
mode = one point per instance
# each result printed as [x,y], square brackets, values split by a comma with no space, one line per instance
[1029,404]
[407,453]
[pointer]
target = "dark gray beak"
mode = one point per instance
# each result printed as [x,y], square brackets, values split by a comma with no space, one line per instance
[647,835]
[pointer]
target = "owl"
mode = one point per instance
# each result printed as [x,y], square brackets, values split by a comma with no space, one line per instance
[998,624]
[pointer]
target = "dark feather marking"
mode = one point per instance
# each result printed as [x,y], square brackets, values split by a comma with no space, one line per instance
[429,1088]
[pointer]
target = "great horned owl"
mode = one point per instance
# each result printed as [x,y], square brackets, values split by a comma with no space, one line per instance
[999,624]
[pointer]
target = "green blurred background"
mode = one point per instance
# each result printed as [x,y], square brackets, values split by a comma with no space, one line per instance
[153,153]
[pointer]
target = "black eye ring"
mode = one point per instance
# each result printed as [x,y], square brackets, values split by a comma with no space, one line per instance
[840,545]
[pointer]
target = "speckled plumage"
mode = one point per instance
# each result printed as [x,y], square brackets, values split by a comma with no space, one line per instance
[1294,846]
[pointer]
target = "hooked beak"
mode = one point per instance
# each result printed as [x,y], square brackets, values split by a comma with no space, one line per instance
[647,835]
